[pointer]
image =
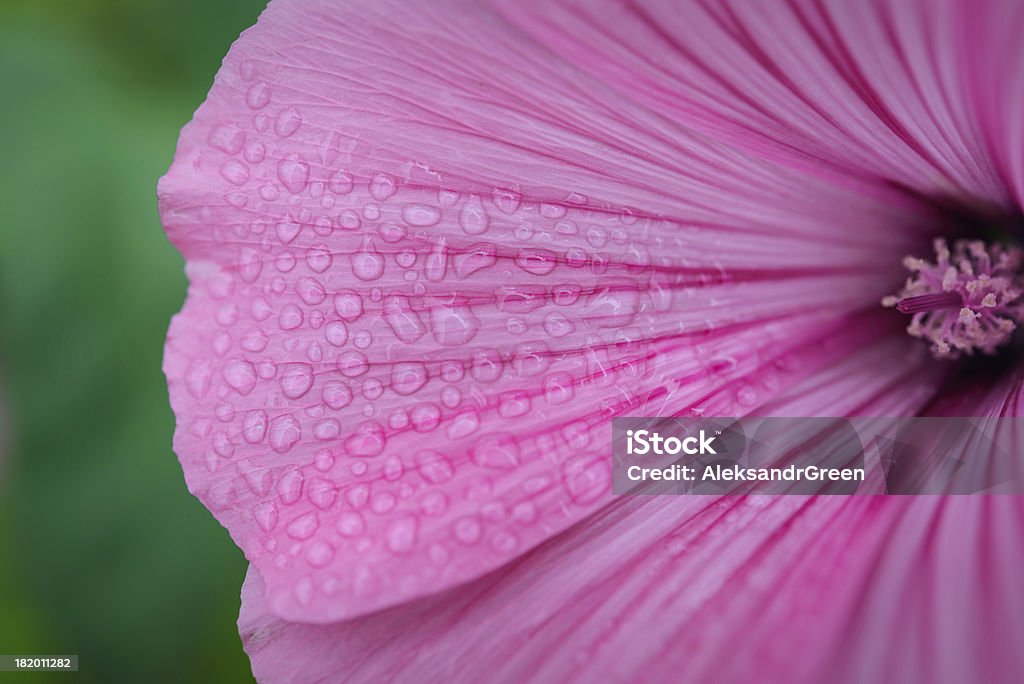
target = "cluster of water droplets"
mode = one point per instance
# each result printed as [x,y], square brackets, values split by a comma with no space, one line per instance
[399,367]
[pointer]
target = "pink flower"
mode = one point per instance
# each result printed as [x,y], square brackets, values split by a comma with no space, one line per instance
[434,249]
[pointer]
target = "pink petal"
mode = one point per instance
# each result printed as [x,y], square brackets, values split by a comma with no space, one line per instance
[690,590]
[693,589]
[419,292]
[921,93]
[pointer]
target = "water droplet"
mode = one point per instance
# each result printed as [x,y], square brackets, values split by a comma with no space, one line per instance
[498,451]
[434,467]
[240,375]
[290,318]
[614,304]
[254,426]
[437,261]
[223,446]
[520,299]
[559,388]
[536,261]
[260,309]
[451,396]
[303,527]
[336,333]
[523,232]
[567,228]
[408,377]
[250,264]
[358,495]
[392,232]
[525,512]
[284,433]
[255,152]
[382,502]
[348,304]
[296,379]
[323,460]
[382,186]
[227,139]
[452,371]
[287,231]
[293,172]
[453,324]
[327,430]
[434,504]
[475,258]
[447,197]
[320,554]
[473,217]
[350,524]
[551,210]
[336,394]
[289,488]
[234,172]
[421,215]
[513,404]
[487,365]
[566,294]
[266,515]
[267,369]
[285,262]
[504,542]
[352,364]
[402,533]
[393,468]
[402,319]
[258,95]
[310,290]
[556,325]
[464,424]
[507,201]
[322,493]
[224,412]
[366,441]
[425,417]
[287,122]
[340,183]
[467,530]
[367,264]
[586,478]
[318,258]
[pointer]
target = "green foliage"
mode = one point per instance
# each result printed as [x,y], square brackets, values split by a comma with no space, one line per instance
[104,552]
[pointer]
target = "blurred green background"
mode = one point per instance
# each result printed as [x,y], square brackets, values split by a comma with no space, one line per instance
[104,553]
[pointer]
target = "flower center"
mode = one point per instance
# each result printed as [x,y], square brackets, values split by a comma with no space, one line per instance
[968,299]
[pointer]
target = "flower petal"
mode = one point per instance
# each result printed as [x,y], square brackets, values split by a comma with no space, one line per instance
[768,589]
[923,94]
[791,588]
[429,263]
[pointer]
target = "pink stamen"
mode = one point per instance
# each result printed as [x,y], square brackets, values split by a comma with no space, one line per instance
[968,300]
[930,302]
